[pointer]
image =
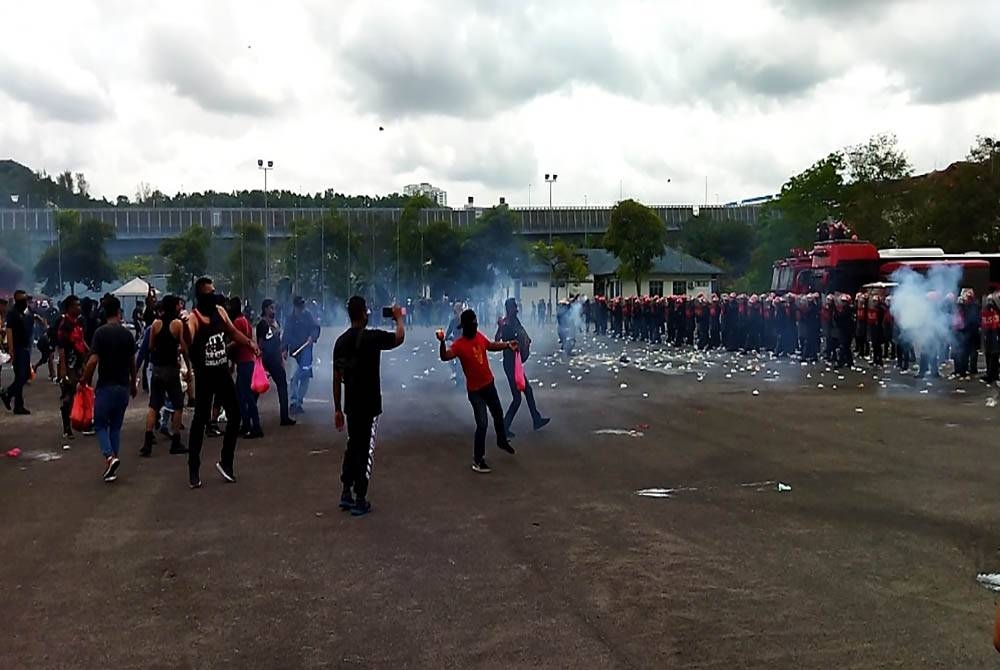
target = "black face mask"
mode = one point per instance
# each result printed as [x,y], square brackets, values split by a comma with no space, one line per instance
[21,305]
[206,303]
[469,330]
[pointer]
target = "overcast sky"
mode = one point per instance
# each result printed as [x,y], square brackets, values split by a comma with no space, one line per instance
[481,97]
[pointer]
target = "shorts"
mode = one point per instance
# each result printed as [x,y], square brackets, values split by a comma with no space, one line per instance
[165,383]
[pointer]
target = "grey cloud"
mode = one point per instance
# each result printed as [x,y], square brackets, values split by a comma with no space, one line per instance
[482,66]
[496,162]
[190,70]
[49,97]
[840,9]
[947,71]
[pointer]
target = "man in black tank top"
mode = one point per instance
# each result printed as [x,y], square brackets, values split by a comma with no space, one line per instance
[166,346]
[205,335]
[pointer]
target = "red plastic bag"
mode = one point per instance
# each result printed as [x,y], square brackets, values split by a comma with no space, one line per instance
[519,381]
[81,416]
[259,383]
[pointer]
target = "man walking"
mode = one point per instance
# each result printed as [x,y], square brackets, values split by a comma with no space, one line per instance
[510,329]
[73,354]
[20,326]
[357,356]
[113,356]
[273,355]
[207,328]
[301,333]
[470,350]
[166,346]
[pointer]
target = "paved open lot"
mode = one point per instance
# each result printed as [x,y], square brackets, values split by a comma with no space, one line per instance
[553,560]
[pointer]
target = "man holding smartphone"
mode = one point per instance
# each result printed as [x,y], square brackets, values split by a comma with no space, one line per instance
[357,355]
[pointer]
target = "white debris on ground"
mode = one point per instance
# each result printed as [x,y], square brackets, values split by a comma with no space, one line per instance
[989,580]
[783,488]
[620,431]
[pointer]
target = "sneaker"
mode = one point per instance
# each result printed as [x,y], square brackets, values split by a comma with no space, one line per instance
[68,435]
[481,466]
[288,422]
[506,447]
[213,431]
[5,399]
[111,472]
[361,507]
[541,423]
[253,434]
[222,417]
[227,474]
[90,432]
[346,500]
[194,481]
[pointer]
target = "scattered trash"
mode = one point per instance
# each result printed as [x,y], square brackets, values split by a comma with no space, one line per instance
[924,392]
[66,447]
[819,386]
[45,456]
[991,402]
[315,452]
[989,580]
[319,514]
[729,376]
[404,386]
[645,395]
[623,385]
[643,426]
[756,392]
[553,385]
[861,386]
[13,453]
[960,391]
[782,488]
[655,493]
[834,387]
[619,431]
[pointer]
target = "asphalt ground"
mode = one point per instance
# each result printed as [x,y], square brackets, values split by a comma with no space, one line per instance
[868,560]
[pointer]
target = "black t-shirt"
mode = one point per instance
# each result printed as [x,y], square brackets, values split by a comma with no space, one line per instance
[358,359]
[115,349]
[269,339]
[21,327]
[511,329]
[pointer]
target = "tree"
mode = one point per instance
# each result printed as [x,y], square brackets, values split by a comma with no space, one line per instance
[726,244]
[137,266]
[82,186]
[79,256]
[188,258]
[143,193]
[636,236]
[790,221]
[65,181]
[492,249]
[877,160]
[564,262]
[246,260]
[10,273]
[122,201]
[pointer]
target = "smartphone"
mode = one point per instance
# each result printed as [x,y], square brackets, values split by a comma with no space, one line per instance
[387,312]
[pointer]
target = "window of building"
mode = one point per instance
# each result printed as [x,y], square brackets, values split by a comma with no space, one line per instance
[529,284]
[656,288]
[680,288]
[701,284]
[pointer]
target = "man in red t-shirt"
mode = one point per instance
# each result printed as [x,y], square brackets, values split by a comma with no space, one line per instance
[244,358]
[470,349]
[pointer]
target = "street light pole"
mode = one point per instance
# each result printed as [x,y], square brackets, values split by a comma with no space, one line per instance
[550,180]
[266,167]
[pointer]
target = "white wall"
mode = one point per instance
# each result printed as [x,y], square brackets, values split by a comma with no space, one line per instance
[693,285]
[535,289]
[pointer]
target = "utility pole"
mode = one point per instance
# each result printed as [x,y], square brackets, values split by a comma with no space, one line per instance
[266,167]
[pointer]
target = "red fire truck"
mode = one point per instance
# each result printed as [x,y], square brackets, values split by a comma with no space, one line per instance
[844,266]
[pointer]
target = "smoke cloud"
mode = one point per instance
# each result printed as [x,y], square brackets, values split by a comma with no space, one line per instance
[919,306]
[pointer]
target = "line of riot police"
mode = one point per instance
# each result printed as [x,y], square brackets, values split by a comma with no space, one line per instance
[836,327]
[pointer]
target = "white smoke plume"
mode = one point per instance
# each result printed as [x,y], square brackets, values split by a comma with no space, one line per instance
[923,321]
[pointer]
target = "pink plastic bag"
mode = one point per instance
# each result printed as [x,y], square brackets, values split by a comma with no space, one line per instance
[519,381]
[259,383]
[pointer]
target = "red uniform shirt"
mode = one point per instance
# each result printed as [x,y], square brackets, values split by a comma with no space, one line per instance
[471,354]
[241,352]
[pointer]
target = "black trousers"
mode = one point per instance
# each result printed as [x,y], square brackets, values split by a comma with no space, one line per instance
[486,400]
[515,403]
[359,458]
[276,368]
[992,366]
[213,385]
[22,371]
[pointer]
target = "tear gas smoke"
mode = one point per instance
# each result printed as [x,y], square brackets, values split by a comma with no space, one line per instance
[919,307]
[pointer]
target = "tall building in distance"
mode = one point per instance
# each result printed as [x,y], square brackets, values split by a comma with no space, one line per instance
[433,192]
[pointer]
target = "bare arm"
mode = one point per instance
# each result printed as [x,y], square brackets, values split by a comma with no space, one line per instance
[178,333]
[446,353]
[501,346]
[88,369]
[338,380]
[397,314]
[155,331]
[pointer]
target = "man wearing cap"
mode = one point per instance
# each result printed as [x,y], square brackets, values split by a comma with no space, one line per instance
[20,328]
[301,333]
[273,353]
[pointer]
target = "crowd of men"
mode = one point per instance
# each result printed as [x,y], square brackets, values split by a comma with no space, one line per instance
[203,358]
[835,327]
